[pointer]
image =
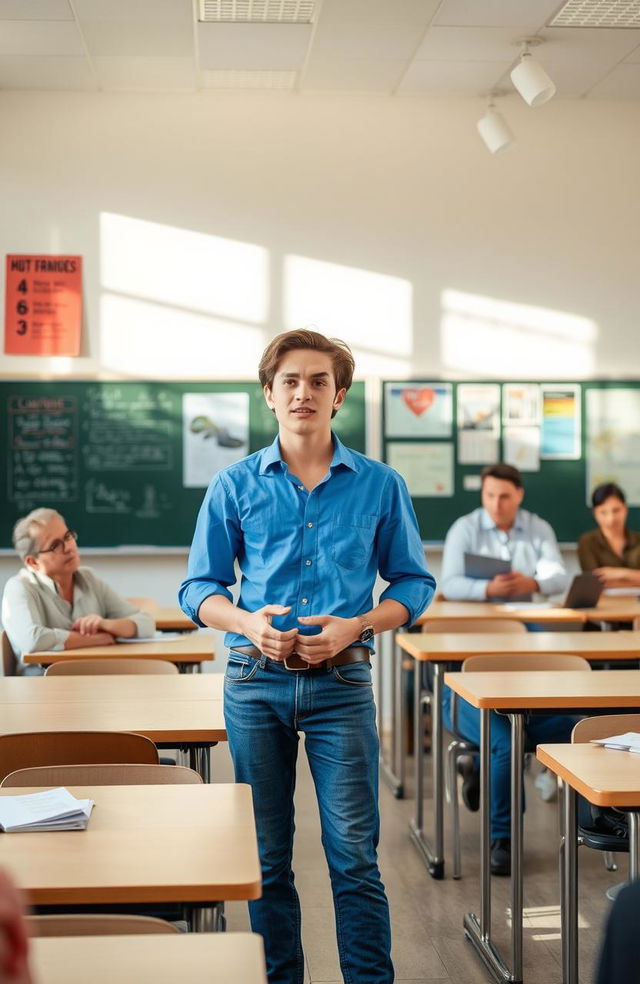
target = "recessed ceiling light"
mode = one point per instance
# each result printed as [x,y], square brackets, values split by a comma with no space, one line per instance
[257,11]
[598,13]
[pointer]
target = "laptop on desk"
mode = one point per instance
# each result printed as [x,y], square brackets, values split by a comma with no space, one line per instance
[584,591]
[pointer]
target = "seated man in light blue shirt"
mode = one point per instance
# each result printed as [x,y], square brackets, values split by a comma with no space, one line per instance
[501,529]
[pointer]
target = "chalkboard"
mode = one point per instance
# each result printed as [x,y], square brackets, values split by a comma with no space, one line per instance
[557,492]
[109,455]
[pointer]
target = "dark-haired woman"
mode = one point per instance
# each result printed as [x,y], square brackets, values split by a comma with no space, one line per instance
[612,551]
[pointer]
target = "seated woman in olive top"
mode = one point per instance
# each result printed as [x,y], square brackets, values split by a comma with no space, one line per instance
[612,551]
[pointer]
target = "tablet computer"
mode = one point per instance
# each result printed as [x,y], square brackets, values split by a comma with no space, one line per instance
[483,567]
[584,592]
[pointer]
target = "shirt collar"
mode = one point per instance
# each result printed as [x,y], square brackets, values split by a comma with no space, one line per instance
[45,581]
[272,456]
[486,523]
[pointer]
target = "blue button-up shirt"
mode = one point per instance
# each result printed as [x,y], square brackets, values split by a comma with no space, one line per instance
[317,551]
[530,545]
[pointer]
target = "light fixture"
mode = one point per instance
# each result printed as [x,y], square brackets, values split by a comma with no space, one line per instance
[530,78]
[494,130]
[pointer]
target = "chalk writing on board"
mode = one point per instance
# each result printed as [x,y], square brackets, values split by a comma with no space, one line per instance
[43,442]
[127,432]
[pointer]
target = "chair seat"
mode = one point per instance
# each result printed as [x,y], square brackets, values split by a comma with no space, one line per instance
[600,841]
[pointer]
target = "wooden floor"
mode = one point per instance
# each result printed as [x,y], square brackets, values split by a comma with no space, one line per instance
[428,941]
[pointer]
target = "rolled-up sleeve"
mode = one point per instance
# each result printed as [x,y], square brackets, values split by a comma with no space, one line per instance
[401,559]
[216,543]
[551,573]
[455,585]
[22,620]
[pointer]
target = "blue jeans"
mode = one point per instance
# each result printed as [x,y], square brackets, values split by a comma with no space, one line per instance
[538,729]
[265,707]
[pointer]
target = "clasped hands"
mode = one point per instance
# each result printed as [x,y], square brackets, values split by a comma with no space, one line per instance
[507,585]
[335,635]
[93,625]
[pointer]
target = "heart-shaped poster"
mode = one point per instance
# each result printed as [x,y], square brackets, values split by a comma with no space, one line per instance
[418,400]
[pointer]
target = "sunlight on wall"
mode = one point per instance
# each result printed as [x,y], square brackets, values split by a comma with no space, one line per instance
[140,338]
[370,311]
[61,365]
[485,336]
[186,269]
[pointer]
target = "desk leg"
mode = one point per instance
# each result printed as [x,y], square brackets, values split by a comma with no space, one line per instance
[569,892]
[433,858]
[517,759]
[395,780]
[634,844]
[485,818]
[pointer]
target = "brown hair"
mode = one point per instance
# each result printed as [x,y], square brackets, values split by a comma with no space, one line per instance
[343,361]
[505,472]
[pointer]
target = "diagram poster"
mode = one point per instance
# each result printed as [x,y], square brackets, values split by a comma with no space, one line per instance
[560,437]
[613,440]
[418,409]
[426,468]
[215,433]
[43,305]
[478,423]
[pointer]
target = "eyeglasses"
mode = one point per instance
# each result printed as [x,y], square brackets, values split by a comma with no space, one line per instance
[58,546]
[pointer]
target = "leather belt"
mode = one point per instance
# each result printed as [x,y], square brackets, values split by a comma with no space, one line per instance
[352,654]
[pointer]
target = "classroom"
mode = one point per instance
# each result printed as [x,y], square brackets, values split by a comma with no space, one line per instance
[183,181]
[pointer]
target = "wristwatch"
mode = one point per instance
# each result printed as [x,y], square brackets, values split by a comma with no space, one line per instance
[368,631]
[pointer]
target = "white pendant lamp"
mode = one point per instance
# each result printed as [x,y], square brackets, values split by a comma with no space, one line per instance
[530,78]
[495,131]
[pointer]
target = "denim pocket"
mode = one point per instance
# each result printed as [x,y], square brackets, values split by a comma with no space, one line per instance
[352,540]
[239,669]
[354,674]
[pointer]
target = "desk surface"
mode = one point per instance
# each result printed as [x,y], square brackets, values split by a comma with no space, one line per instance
[534,690]
[171,617]
[454,646]
[183,843]
[488,609]
[605,776]
[200,958]
[197,721]
[194,647]
[129,687]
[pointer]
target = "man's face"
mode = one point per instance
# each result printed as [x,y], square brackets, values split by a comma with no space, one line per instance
[304,394]
[59,563]
[502,500]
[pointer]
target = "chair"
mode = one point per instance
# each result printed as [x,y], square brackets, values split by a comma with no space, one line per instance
[461,746]
[9,661]
[100,667]
[601,727]
[37,748]
[77,924]
[635,625]
[101,775]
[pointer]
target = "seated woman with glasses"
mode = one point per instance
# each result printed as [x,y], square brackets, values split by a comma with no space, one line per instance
[612,551]
[54,603]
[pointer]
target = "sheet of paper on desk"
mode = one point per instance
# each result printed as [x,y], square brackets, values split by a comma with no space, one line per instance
[158,637]
[511,607]
[52,809]
[629,741]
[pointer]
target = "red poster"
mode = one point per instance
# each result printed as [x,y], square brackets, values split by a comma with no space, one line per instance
[43,310]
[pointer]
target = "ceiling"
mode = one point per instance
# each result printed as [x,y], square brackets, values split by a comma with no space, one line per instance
[399,48]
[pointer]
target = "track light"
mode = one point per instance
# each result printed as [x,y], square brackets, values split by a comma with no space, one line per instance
[530,78]
[494,130]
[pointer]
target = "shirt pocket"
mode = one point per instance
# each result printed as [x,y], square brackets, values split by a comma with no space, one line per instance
[352,539]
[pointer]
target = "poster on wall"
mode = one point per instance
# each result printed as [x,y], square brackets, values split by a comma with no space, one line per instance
[427,468]
[478,423]
[43,305]
[613,440]
[560,435]
[521,404]
[418,409]
[215,433]
[522,448]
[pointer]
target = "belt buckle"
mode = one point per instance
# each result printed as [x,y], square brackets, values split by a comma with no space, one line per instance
[302,663]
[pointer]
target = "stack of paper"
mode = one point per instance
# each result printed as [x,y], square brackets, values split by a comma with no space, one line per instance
[628,742]
[53,809]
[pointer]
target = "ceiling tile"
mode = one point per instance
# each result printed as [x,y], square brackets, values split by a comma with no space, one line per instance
[580,44]
[495,13]
[35,10]
[470,44]
[146,74]
[146,40]
[465,78]
[622,83]
[134,11]
[40,38]
[253,46]
[365,40]
[352,75]
[634,56]
[336,12]
[45,73]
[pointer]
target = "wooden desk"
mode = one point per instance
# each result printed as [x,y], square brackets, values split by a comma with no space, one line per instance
[203,958]
[487,609]
[519,693]
[168,618]
[194,844]
[614,609]
[188,652]
[606,777]
[127,687]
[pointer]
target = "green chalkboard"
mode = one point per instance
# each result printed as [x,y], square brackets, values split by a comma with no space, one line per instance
[557,491]
[127,462]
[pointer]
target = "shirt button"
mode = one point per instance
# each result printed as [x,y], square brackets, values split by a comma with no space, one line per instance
[304,601]
[308,563]
[301,487]
[309,525]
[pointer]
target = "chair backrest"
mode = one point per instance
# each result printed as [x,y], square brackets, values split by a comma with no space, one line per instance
[9,661]
[100,667]
[636,623]
[524,661]
[101,775]
[605,725]
[96,925]
[36,748]
[473,625]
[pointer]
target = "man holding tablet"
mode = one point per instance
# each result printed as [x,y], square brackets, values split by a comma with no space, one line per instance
[310,524]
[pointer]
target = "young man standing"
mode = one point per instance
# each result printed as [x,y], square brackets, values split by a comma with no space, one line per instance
[310,523]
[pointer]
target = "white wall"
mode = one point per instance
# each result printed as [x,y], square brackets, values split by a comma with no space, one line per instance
[386,204]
